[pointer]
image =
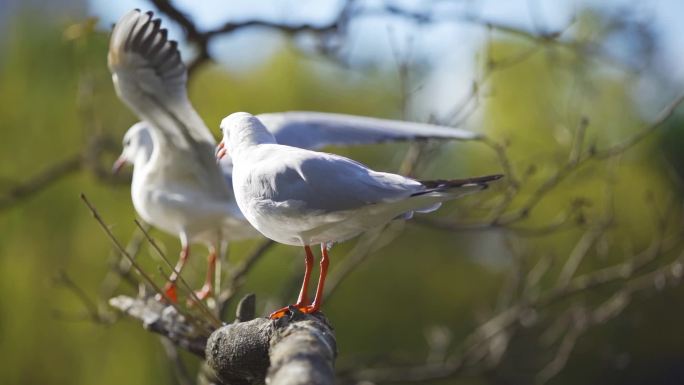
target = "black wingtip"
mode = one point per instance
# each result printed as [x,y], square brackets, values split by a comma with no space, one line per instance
[442,185]
[494,177]
[450,183]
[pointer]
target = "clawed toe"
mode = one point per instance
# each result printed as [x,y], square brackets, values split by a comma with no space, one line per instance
[287,310]
[280,313]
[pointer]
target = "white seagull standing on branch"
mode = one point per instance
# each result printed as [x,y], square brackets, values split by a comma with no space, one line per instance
[177,185]
[301,197]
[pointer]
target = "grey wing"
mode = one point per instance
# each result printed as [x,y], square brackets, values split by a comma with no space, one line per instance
[314,130]
[329,183]
[144,62]
[150,77]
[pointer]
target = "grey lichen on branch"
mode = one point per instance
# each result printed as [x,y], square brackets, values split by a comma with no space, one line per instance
[296,349]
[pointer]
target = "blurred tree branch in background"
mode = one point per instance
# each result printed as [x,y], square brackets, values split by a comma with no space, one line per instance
[90,159]
[201,39]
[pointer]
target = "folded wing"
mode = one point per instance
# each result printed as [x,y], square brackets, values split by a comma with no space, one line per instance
[326,182]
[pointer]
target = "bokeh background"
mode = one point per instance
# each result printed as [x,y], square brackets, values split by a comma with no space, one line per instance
[614,67]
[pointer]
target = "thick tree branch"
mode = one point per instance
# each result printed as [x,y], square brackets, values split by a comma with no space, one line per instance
[296,349]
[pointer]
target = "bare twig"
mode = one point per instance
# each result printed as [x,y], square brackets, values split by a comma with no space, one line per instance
[177,365]
[471,352]
[193,296]
[120,267]
[201,39]
[644,132]
[504,217]
[93,312]
[577,255]
[562,354]
[135,264]
[166,321]
[578,161]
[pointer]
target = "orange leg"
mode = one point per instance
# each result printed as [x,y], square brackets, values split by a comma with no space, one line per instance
[308,266]
[303,296]
[208,287]
[170,288]
[318,301]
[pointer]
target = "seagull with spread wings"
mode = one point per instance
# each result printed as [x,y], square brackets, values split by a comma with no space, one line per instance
[177,184]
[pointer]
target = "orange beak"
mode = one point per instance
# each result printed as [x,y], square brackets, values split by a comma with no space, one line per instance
[118,165]
[221,151]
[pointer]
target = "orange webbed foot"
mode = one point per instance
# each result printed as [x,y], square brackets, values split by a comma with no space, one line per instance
[282,312]
[171,293]
[310,309]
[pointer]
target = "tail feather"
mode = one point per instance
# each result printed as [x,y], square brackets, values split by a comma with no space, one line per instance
[442,185]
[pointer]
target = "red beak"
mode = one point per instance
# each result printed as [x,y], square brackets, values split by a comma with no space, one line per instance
[118,165]
[221,151]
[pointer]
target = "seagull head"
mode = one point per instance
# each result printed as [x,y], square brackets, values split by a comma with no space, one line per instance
[241,130]
[137,144]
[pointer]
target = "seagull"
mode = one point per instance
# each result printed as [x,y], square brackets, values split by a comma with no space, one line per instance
[301,197]
[176,196]
[177,185]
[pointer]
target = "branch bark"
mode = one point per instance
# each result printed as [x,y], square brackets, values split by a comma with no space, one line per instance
[164,320]
[295,350]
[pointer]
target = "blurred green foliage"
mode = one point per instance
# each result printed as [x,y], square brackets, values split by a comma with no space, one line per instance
[56,92]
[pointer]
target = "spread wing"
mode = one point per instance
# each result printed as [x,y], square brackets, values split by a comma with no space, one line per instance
[150,78]
[314,130]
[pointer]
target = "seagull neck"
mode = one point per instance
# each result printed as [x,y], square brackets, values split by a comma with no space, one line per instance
[142,157]
[250,138]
